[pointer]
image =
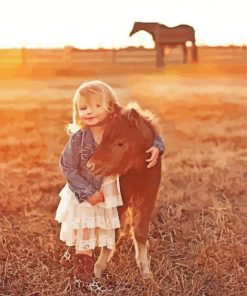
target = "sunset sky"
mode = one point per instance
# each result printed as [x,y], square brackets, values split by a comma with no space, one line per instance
[107,23]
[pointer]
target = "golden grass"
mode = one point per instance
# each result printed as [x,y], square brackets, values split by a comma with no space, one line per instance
[198,231]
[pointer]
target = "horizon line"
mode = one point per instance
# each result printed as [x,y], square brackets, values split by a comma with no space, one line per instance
[115,48]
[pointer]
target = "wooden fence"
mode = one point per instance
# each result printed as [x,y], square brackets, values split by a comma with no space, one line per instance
[69,56]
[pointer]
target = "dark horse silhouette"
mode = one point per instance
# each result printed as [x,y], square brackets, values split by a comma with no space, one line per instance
[168,36]
[122,152]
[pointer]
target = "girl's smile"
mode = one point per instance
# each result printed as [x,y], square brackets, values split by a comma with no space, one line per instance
[89,117]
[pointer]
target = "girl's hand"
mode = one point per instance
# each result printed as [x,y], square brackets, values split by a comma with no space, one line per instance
[154,156]
[96,198]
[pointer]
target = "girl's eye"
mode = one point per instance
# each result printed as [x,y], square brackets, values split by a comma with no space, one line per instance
[82,108]
[98,105]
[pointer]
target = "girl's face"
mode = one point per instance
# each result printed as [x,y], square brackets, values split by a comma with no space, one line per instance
[91,114]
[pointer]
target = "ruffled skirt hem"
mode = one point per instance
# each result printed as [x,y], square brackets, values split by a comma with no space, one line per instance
[85,226]
[84,240]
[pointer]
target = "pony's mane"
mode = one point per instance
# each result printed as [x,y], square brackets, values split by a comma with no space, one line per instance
[148,115]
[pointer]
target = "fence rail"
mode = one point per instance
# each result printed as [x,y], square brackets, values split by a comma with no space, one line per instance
[69,56]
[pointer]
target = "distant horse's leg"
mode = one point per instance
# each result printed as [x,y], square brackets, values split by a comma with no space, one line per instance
[163,54]
[185,53]
[140,238]
[194,53]
[159,55]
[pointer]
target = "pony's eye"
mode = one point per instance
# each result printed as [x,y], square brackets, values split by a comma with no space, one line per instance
[119,144]
[98,105]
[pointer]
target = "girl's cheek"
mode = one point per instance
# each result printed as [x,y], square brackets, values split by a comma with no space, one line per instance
[80,113]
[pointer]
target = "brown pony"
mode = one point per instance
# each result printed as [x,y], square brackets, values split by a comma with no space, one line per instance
[122,152]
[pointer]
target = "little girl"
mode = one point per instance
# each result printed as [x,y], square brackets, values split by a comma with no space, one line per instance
[88,207]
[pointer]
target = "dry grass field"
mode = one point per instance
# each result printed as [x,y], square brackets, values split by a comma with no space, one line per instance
[198,234]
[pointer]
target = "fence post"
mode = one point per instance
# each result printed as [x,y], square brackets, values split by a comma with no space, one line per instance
[114,56]
[67,56]
[24,56]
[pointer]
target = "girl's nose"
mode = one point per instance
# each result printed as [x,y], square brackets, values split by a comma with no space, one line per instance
[89,110]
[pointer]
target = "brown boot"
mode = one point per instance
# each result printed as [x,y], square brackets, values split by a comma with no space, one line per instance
[83,267]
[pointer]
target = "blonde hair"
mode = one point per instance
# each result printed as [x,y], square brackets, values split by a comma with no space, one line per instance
[92,91]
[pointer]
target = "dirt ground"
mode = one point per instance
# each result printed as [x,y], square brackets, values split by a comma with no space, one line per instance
[198,234]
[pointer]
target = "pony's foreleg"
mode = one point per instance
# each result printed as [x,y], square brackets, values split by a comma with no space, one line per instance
[122,231]
[141,256]
[100,264]
[140,239]
[107,254]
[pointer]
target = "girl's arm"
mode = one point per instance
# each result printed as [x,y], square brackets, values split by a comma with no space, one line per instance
[159,143]
[70,165]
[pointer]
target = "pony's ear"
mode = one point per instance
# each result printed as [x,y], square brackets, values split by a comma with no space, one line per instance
[134,118]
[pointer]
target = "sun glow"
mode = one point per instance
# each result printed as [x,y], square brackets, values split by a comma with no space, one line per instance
[95,24]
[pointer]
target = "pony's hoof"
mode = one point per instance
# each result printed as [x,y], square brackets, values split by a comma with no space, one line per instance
[147,275]
[145,271]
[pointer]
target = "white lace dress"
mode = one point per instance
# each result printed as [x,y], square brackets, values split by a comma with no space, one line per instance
[85,226]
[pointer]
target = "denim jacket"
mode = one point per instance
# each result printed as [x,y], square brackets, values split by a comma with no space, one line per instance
[73,160]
